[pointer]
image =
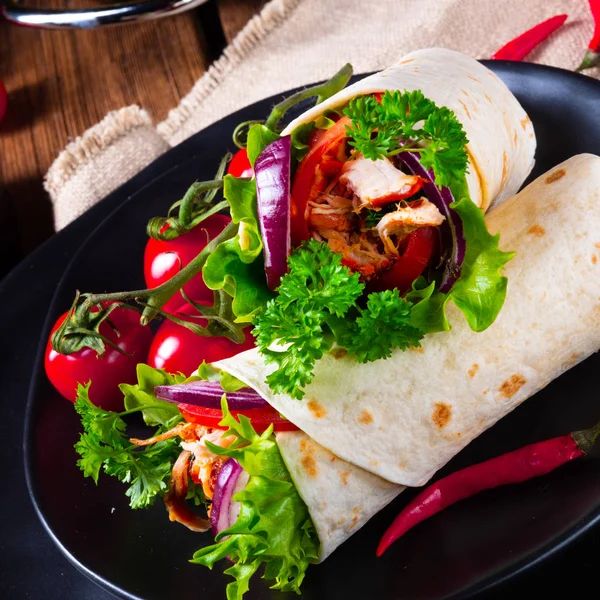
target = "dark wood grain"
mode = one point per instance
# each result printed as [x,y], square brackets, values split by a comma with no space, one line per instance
[62,82]
[236,13]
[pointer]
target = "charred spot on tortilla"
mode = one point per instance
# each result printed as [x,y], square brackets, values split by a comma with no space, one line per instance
[442,413]
[504,168]
[418,349]
[309,464]
[338,353]
[344,477]
[405,62]
[316,409]
[473,78]
[537,230]
[594,259]
[573,359]
[365,417]
[488,98]
[473,370]
[512,385]
[466,108]
[525,123]
[556,176]
[597,244]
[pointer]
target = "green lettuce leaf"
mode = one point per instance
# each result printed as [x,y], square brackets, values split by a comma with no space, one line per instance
[259,137]
[228,382]
[141,395]
[480,291]
[233,266]
[274,528]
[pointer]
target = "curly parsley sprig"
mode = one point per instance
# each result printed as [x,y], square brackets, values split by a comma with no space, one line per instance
[317,306]
[403,121]
[105,445]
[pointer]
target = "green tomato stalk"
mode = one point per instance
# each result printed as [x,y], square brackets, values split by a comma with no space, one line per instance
[81,328]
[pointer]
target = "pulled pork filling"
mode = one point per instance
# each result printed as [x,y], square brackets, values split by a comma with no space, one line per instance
[365,211]
[197,462]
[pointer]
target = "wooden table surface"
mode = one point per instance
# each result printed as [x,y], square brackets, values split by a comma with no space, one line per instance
[62,82]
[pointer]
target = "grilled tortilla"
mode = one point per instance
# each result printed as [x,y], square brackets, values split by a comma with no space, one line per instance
[403,418]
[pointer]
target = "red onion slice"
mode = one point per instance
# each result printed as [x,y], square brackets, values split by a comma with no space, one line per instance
[230,480]
[452,229]
[208,394]
[272,173]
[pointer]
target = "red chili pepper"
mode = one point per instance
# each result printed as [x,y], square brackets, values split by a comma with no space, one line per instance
[517,466]
[522,45]
[592,56]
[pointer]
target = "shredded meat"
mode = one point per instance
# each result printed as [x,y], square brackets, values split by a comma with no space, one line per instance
[405,220]
[181,429]
[175,498]
[359,254]
[378,182]
[206,465]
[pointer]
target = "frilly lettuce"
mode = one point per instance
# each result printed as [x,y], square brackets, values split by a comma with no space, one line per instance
[274,528]
[233,266]
[481,288]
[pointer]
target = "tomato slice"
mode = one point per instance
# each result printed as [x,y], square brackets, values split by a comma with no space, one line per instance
[260,418]
[420,247]
[304,181]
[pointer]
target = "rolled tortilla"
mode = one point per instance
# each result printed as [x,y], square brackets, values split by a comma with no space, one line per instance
[501,138]
[403,418]
[341,497]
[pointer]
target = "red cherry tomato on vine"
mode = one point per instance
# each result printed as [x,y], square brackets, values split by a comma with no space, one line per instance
[163,259]
[240,165]
[3,100]
[260,418]
[106,372]
[175,348]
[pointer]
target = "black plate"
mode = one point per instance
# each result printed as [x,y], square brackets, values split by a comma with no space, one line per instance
[469,548]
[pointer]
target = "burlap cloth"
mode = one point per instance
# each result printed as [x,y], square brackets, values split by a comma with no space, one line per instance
[297,42]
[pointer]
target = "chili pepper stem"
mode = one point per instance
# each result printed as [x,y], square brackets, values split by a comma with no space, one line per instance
[591,59]
[586,439]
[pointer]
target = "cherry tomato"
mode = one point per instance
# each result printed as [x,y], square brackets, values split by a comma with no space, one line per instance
[260,418]
[163,259]
[3,100]
[240,165]
[106,372]
[420,247]
[176,349]
[306,182]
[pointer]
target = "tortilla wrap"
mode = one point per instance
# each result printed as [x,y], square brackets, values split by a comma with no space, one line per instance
[340,497]
[403,418]
[501,138]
